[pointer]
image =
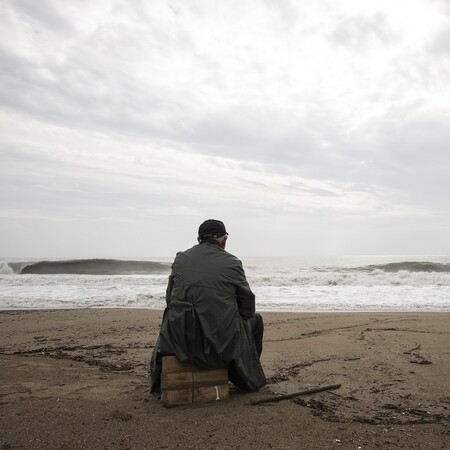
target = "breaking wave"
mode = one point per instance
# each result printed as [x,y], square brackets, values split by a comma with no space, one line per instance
[5,268]
[86,267]
[404,273]
[410,266]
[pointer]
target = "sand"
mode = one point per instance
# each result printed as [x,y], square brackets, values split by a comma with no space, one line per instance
[79,379]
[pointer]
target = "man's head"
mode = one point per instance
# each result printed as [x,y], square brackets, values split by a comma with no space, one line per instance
[213,229]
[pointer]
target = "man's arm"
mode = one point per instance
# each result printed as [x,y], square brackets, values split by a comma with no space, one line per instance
[244,295]
[169,290]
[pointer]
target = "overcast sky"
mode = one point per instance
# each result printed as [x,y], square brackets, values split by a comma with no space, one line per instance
[308,127]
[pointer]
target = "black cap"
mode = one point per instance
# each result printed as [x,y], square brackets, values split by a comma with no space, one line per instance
[212,228]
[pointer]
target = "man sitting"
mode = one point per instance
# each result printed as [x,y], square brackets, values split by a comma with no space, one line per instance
[210,316]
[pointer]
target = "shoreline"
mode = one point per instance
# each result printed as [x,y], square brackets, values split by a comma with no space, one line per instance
[265,311]
[63,366]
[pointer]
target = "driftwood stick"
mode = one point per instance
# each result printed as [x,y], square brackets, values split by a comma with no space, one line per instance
[412,350]
[296,394]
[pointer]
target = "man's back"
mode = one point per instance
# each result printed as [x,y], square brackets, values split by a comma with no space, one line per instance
[212,275]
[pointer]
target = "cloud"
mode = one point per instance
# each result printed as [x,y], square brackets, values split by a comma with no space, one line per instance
[359,33]
[327,111]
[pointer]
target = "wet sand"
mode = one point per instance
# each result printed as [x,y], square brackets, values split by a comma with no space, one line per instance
[79,379]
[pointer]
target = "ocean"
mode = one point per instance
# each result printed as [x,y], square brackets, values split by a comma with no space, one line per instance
[309,284]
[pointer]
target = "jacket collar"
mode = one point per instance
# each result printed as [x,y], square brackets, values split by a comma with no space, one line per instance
[211,241]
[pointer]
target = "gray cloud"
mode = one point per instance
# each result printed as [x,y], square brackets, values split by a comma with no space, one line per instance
[358,33]
[51,14]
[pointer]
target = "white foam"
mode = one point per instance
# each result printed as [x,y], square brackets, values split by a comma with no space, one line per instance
[5,268]
[374,278]
[82,291]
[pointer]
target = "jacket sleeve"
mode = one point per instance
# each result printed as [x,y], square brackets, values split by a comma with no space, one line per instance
[171,281]
[244,295]
[169,289]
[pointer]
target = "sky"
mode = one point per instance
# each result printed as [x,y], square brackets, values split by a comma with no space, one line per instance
[309,128]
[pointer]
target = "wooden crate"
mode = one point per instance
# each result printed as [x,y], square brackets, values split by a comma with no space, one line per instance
[183,384]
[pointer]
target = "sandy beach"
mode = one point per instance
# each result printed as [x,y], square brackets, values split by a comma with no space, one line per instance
[79,379]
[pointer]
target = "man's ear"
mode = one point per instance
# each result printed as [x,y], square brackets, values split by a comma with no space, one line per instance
[199,240]
[225,241]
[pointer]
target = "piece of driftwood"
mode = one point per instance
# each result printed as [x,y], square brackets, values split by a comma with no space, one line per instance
[296,394]
[412,350]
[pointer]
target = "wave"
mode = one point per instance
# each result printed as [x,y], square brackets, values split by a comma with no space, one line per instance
[137,267]
[352,279]
[5,268]
[410,266]
[87,267]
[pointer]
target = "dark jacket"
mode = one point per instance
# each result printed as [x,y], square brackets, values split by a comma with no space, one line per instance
[206,322]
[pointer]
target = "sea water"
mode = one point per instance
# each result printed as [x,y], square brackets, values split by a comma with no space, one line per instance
[356,283]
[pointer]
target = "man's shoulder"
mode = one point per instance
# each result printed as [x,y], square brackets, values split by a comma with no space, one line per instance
[183,253]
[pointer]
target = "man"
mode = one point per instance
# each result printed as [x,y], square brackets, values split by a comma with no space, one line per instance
[210,316]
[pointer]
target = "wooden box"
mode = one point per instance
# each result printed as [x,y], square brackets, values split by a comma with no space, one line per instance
[183,384]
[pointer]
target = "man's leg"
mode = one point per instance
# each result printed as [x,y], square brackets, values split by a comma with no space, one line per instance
[155,371]
[249,374]
[258,331]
